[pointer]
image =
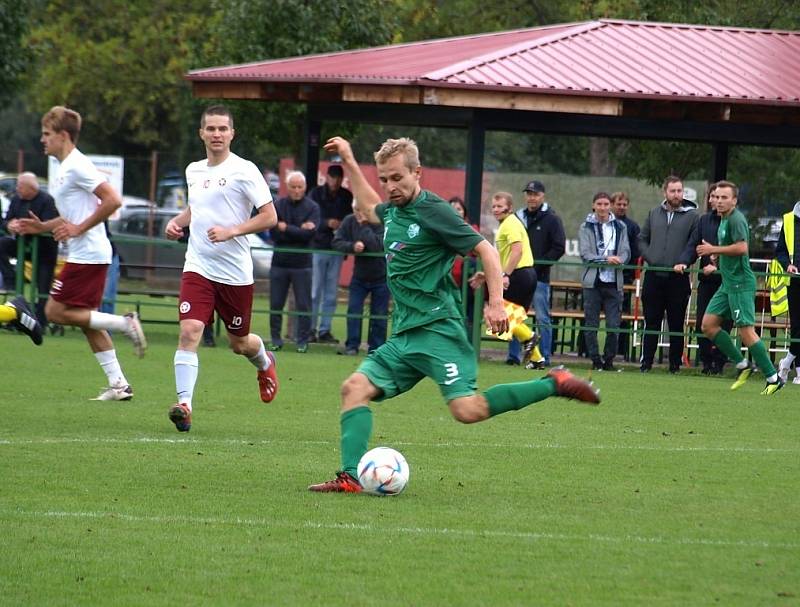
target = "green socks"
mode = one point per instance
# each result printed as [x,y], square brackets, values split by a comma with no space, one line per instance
[725,344]
[759,353]
[356,427]
[512,397]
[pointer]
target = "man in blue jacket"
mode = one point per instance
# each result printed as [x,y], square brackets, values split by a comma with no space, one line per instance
[548,242]
[298,219]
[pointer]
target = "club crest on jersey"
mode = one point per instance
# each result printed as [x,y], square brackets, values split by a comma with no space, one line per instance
[206,183]
[222,182]
[185,307]
[413,230]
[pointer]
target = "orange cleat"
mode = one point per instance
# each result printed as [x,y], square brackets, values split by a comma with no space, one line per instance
[569,386]
[268,381]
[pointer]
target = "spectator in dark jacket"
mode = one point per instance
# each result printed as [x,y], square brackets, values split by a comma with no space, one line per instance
[356,235]
[298,218]
[787,253]
[708,282]
[620,203]
[335,203]
[29,199]
[662,240]
[548,241]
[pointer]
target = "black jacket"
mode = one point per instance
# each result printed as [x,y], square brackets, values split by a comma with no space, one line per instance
[294,214]
[44,207]
[781,250]
[633,241]
[331,206]
[705,229]
[367,268]
[547,238]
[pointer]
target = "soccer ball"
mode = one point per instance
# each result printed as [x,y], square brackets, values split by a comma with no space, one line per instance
[383,471]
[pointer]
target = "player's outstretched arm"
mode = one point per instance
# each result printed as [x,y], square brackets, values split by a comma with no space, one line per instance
[494,313]
[366,197]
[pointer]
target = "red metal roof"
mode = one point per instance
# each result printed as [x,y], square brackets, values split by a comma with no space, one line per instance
[609,58]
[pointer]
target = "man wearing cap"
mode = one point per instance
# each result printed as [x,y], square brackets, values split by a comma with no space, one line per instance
[335,203]
[548,240]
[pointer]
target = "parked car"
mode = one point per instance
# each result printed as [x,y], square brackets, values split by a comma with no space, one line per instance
[139,237]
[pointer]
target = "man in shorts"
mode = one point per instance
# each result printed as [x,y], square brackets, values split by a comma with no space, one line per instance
[735,299]
[84,199]
[422,235]
[218,273]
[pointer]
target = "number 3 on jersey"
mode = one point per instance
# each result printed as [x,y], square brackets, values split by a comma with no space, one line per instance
[452,373]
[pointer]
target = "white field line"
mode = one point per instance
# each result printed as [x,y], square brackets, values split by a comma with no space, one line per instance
[444,445]
[476,534]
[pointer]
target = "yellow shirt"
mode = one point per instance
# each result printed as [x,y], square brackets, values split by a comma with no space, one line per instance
[511,231]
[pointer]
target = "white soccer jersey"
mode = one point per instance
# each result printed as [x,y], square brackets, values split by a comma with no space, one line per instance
[76,180]
[223,195]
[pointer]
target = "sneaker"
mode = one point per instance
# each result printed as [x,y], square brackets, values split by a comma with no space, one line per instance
[784,366]
[118,393]
[645,368]
[273,347]
[609,366]
[326,338]
[136,334]
[597,365]
[741,378]
[26,321]
[268,380]
[181,416]
[511,362]
[302,348]
[537,366]
[527,348]
[773,387]
[569,386]
[343,483]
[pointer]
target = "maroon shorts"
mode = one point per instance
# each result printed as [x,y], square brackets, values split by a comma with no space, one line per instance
[80,285]
[200,297]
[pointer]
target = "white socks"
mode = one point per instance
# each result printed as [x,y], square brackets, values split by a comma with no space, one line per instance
[261,361]
[109,322]
[186,369]
[110,365]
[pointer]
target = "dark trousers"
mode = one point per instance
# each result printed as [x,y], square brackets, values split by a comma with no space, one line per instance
[606,297]
[710,356]
[664,292]
[794,316]
[378,306]
[44,273]
[624,338]
[300,280]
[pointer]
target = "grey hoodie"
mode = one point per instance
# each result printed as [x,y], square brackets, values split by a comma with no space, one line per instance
[587,243]
[661,242]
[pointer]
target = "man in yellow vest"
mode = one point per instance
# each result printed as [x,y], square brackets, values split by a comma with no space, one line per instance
[787,254]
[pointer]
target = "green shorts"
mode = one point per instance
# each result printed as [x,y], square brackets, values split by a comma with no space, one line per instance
[439,350]
[739,307]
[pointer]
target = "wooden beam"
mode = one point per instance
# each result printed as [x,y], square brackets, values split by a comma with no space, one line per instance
[228,90]
[375,93]
[530,102]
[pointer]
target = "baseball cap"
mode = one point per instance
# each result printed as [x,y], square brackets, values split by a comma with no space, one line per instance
[534,186]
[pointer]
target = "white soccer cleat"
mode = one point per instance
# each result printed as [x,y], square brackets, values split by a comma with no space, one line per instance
[796,380]
[136,334]
[784,366]
[115,393]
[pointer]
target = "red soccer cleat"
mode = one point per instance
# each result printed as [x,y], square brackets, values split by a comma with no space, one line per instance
[268,381]
[569,386]
[343,483]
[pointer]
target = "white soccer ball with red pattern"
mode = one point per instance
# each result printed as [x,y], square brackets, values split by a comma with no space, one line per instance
[383,471]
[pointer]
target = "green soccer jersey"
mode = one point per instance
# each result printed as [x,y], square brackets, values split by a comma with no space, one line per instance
[735,269]
[421,240]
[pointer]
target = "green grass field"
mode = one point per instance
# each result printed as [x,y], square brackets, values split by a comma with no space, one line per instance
[674,491]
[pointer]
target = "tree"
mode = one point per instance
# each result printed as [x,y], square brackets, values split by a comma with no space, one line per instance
[15,56]
[294,27]
[121,65]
